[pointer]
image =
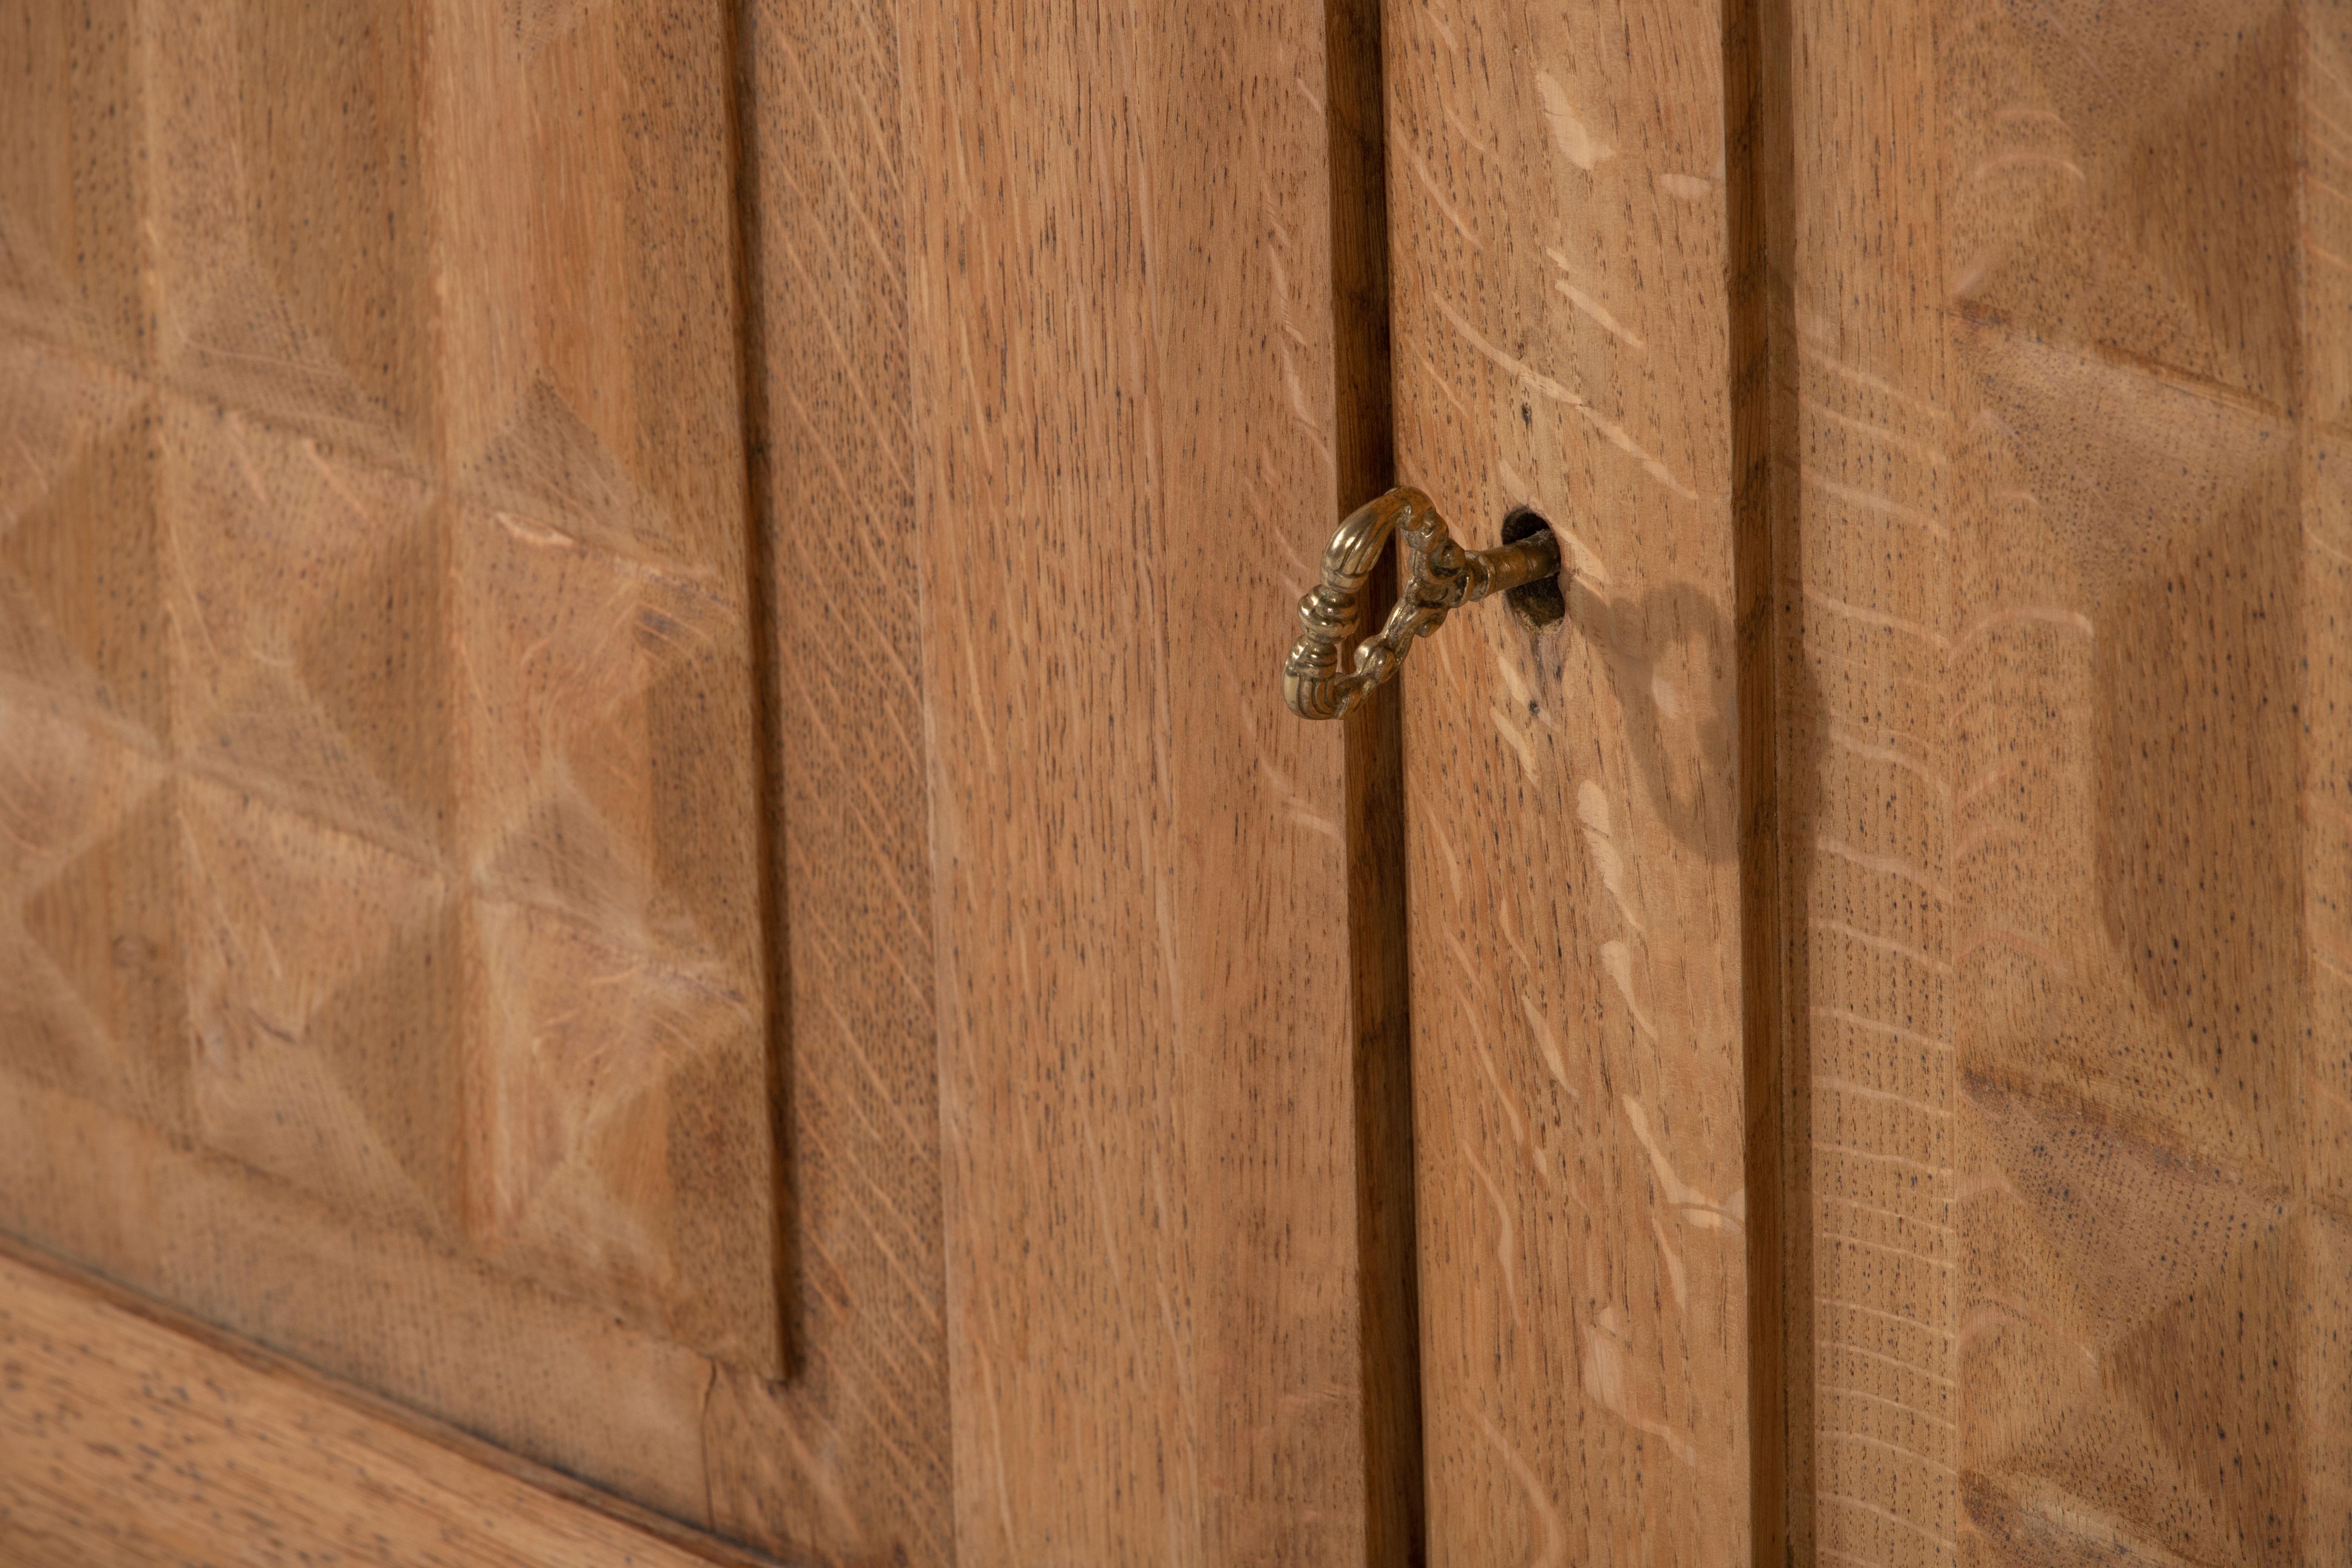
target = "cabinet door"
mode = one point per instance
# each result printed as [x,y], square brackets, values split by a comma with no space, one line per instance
[643,804]
[386,972]
[2064,588]
[1880,964]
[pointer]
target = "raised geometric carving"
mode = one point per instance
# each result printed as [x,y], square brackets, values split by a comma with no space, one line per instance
[326,138]
[594,688]
[80,573]
[613,1082]
[2127,710]
[618,919]
[323,997]
[2081,336]
[2128,990]
[2110,1360]
[544,464]
[292,272]
[70,250]
[377,789]
[2137,194]
[314,652]
[107,921]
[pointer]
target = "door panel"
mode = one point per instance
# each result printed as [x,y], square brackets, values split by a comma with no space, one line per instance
[394,863]
[642,805]
[383,944]
[1561,342]
[1124,413]
[2063,575]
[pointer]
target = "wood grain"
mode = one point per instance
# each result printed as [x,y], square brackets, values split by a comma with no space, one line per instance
[130,1435]
[403,262]
[1868,711]
[380,877]
[1561,271]
[1124,417]
[2063,724]
[848,1460]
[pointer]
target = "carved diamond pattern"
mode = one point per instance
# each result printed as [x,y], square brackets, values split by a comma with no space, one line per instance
[293,269]
[79,569]
[94,1005]
[326,1046]
[375,785]
[2128,1226]
[2141,1266]
[2137,176]
[313,655]
[611,977]
[69,241]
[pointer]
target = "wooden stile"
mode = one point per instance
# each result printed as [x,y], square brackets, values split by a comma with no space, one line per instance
[1124,416]
[1560,281]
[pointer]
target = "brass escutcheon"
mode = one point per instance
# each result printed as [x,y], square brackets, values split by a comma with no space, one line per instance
[1439,576]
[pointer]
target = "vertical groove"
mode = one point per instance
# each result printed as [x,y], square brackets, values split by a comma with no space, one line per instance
[1364,448]
[767,649]
[1760,159]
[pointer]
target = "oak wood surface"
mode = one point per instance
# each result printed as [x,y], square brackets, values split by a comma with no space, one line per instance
[131,1434]
[381,953]
[597,230]
[2064,593]
[847,1459]
[1124,423]
[824,995]
[1561,273]
[475,240]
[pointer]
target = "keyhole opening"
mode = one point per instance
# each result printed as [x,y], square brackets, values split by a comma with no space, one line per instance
[1537,605]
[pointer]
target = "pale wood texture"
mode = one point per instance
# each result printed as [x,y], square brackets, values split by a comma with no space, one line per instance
[848,1460]
[1124,427]
[491,294]
[2066,728]
[1561,273]
[381,941]
[130,1435]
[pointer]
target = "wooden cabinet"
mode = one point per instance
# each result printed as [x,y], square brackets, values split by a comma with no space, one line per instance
[656,903]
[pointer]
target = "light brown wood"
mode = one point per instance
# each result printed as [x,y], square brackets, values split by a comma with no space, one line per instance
[848,1460]
[643,805]
[557,414]
[1124,417]
[132,1436]
[2065,721]
[1561,268]
[380,952]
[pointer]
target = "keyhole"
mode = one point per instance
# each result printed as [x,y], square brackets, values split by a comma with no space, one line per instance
[1537,605]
